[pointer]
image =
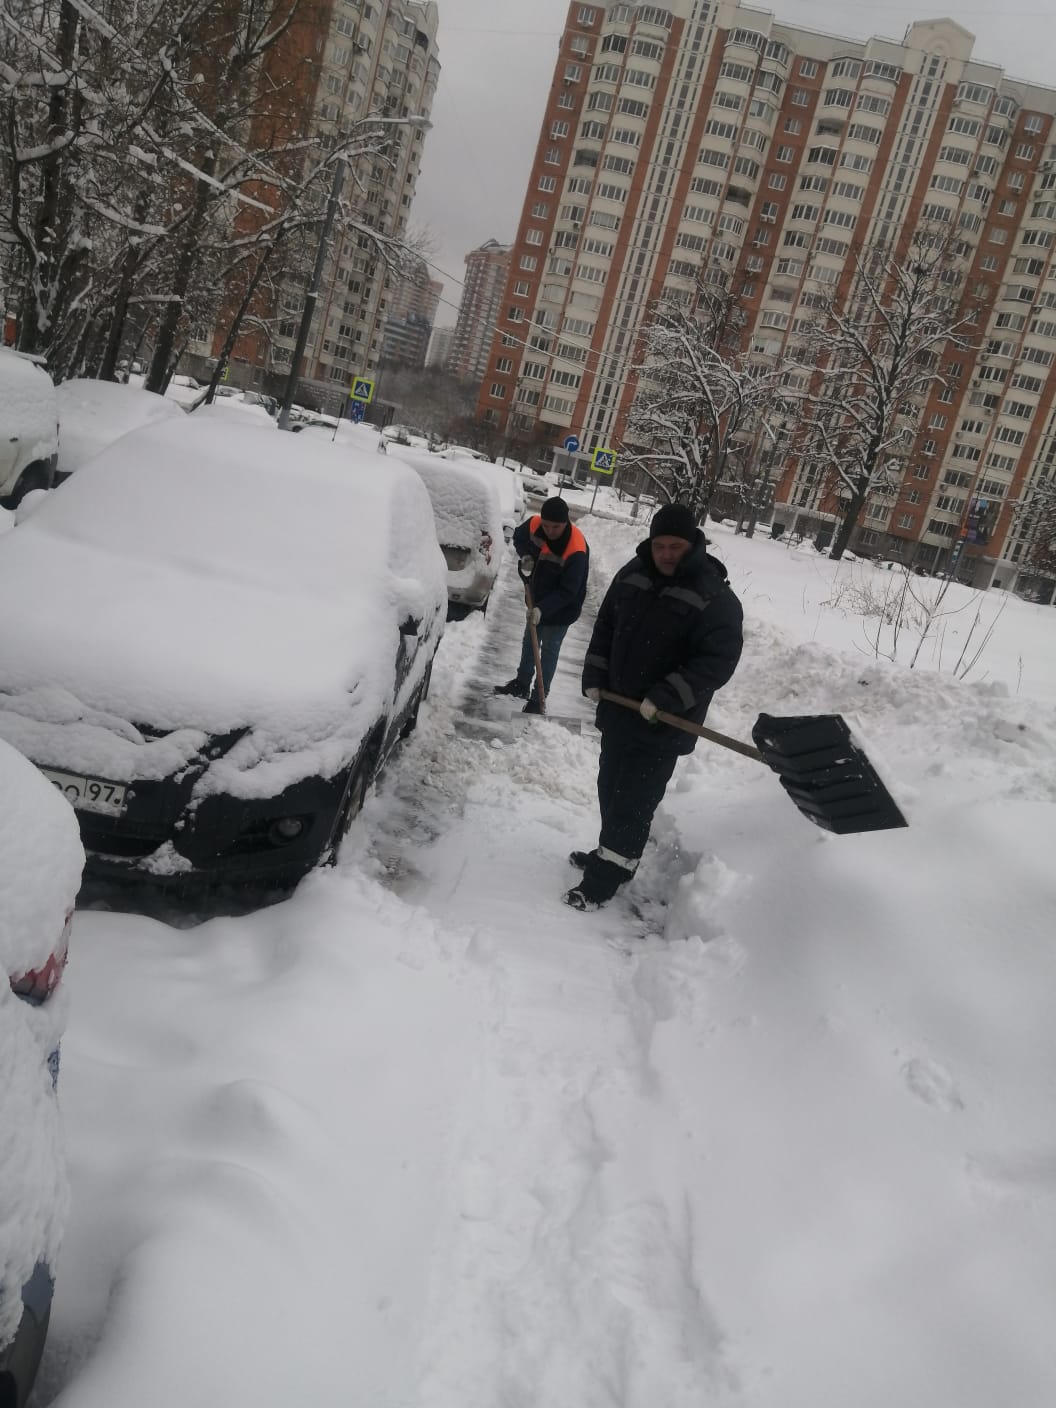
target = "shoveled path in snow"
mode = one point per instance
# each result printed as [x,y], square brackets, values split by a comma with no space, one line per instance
[563,1272]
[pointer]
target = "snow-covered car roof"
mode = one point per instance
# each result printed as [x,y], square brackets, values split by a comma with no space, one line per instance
[206,573]
[27,405]
[93,414]
[465,502]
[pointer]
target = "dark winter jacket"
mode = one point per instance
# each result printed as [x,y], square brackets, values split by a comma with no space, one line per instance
[676,639]
[559,579]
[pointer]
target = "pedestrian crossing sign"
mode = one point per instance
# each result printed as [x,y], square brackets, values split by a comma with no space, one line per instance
[604,461]
[362,390]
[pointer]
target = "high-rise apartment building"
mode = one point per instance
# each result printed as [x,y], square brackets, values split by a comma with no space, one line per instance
[351,60]
[697,135]
[479,309]
[409,321]
[440,345]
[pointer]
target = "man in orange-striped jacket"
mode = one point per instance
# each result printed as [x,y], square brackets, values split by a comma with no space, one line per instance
[554,561]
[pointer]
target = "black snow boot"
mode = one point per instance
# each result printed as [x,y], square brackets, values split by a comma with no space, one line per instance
[532,707]
[580,859]
[601,880]
[514,687]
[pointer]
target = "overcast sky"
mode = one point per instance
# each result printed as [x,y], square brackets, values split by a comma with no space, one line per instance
[497,60]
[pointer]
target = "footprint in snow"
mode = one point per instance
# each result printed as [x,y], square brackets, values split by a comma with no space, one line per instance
[932,1083]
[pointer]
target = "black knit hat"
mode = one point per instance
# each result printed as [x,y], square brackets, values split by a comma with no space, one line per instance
[674,521]
[554,511]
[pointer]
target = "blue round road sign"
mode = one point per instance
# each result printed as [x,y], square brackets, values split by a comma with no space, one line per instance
[572,444]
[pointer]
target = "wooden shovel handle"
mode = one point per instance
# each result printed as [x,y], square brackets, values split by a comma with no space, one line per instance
[733,744]
[535,650]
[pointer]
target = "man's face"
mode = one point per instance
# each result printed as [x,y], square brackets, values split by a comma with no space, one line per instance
[551,529]
[668,553]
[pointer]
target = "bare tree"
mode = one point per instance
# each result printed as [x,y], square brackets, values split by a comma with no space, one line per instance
[160,168]
[1036,523]
[878,346]
[701,398]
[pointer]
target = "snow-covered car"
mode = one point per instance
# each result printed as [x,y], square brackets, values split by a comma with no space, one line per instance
[511,493]
[239,627]
[29,427]
[40,873]
[93,414]
[468,518]
[533,485]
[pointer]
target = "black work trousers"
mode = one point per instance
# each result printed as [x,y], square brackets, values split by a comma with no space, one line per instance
[632,781]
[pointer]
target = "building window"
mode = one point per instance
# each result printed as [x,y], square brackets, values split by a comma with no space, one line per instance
[807,68]
[504,364]
[547,183]
[498,391]
[586,15]
[522,289]
[534,237]
[553,156]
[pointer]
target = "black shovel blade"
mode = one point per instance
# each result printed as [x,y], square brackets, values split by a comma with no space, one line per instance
[826,774]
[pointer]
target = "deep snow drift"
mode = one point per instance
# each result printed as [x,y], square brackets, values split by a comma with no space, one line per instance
[779,1137]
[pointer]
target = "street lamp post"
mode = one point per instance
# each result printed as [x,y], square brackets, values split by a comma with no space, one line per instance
[308,311]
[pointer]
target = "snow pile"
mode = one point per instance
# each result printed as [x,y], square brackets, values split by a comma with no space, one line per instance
[40,872]
[770,1131]
[93,414]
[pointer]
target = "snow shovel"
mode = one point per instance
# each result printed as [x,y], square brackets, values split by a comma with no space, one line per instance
[817,762]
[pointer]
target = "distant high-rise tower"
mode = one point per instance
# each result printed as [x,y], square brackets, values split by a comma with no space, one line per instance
[698,136]
[439,354]
[478,311]
[409,324]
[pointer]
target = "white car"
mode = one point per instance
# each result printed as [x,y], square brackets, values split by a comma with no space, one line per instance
[29,427]
[239,627]
[40,873]
[469,526]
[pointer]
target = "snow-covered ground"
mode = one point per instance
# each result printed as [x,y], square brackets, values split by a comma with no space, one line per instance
[780,1135]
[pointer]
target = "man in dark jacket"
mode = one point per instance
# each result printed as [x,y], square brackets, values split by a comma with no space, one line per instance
[668,634]
[554,559]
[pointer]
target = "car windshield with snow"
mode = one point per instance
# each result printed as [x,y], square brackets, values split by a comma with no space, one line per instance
[237,629]
[40,873]
[469,525]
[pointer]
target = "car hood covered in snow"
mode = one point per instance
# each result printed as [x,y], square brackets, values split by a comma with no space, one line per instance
[208,577]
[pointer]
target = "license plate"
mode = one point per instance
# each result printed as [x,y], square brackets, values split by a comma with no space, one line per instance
[90,794]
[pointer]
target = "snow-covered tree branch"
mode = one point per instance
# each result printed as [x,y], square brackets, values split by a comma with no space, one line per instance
[701,405]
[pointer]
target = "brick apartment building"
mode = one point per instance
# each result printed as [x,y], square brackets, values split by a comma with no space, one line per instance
[348,59]
[479,309]
[699,133]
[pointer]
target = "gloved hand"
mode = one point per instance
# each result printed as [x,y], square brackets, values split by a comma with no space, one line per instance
[535,615]
[593,694]
[647,709]
[526,566]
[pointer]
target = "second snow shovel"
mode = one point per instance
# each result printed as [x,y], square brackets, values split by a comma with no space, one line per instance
[818,762]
